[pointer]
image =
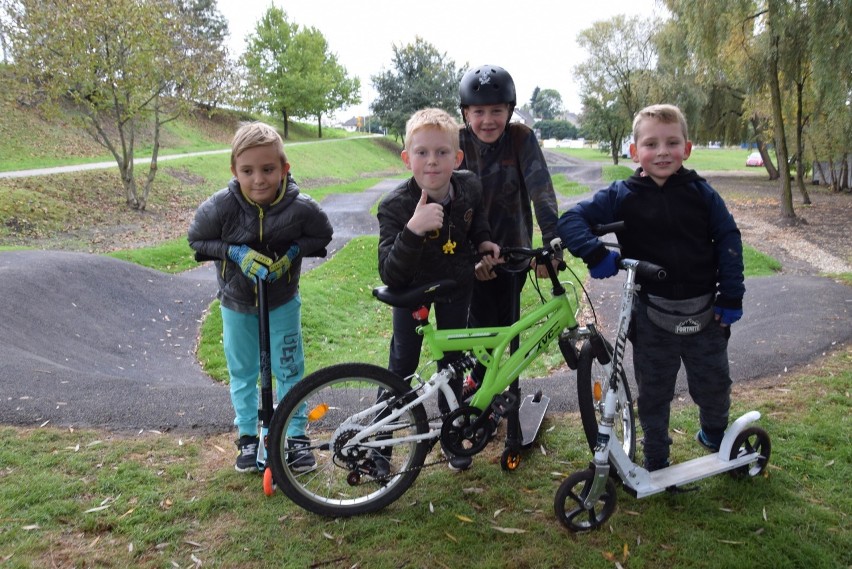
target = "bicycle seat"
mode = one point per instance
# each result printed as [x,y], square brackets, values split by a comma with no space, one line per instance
[414,297]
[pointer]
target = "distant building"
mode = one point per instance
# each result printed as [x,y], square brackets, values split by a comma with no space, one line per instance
[523,117]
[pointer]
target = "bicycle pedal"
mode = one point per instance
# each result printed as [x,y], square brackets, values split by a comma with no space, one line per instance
[504,403]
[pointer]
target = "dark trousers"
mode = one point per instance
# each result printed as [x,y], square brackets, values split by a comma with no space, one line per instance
[657,356]
[406,343]
[493,305]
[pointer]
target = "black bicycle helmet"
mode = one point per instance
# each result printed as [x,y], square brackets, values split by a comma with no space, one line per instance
[487,85]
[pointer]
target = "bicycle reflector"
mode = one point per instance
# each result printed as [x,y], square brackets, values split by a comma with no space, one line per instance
[421,314]
[597,391]
[318,412]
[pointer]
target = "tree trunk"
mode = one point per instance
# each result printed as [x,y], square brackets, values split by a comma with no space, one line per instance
[778,120]
[286,123]
[761,147]
[319,125]
[800,145]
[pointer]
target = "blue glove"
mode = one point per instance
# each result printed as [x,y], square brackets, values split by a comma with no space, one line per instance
[251,263]
[727,316]
[606,268]
[281,267]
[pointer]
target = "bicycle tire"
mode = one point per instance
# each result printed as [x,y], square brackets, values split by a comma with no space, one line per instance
[589,371]
[342,484]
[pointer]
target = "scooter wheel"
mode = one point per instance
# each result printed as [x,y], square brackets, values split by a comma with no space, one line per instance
[268,483]
[751,440]
[510,460]
[569,507]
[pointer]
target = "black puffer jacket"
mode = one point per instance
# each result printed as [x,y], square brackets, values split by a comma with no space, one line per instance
[228,218]
[407,259]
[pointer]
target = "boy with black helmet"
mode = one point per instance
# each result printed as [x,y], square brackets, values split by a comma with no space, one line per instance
[511,167]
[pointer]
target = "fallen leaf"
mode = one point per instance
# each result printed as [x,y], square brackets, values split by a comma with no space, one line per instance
[453,539]
[498,512]
[731,542]
[98,509]
[464,518]
[31,527]
[764,514]
[726,510]
[431,508]
[508,530]
[829,463]
[327,535]
[473,490]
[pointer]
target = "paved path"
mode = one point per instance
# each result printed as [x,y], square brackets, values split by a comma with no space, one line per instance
[90,341]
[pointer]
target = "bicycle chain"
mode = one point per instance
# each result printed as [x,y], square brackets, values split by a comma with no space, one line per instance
[380,479]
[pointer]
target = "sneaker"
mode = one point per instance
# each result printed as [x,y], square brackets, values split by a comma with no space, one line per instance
[705,441]
[300,458]
[652,464]
[247,458]
[381,465]
[457,463]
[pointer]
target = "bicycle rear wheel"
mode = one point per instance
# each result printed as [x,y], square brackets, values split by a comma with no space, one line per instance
[349,478]
[592,383]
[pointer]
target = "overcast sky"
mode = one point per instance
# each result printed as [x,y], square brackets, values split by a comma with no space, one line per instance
[534,40]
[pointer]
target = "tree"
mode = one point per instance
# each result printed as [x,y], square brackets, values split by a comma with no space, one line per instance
[559,130]
[292,73]
[126,64]
[547,104]
[421,77]
[604,121]
[328,87]
[762,40]
[616,79]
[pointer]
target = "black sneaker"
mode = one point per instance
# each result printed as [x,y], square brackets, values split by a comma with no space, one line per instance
[300,458]
[247,459]
[705,441]
[457,463]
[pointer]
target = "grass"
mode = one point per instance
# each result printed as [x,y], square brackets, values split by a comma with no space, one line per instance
[91,498]
[701,159]
[82,497]
[30,140]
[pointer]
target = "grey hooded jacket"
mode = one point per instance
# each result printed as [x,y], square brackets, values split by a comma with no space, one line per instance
[227,218]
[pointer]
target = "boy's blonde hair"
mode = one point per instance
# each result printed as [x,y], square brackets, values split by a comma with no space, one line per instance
[433,118]
[664,113]
[253,134]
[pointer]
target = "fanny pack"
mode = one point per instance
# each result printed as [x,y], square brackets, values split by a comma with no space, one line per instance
[681,317]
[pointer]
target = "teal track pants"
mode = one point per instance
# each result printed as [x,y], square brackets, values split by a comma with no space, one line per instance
[242,353]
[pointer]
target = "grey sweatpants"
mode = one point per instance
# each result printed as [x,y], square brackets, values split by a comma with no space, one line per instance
[657,356]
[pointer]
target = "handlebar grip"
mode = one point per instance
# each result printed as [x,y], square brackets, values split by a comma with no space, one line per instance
[201,257]
[603,229]
[650,271]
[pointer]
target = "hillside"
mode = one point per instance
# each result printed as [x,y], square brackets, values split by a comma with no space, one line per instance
[85,211]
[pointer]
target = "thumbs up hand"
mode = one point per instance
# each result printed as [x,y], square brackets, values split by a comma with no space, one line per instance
[427,216]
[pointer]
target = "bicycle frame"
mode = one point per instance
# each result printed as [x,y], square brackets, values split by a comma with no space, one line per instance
[489,344]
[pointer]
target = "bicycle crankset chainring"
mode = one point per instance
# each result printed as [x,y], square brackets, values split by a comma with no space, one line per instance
[458,434]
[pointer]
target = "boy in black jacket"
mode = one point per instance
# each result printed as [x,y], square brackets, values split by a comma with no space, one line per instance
[675,219]
[429,229]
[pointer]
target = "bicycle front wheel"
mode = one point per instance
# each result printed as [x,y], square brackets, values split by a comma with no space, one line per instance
[592,383]
[334,470]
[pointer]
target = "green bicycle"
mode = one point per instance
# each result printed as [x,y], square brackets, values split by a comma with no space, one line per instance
[371,430]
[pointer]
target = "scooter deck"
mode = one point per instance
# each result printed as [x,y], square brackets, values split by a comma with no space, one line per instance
[690,471]
[530,415]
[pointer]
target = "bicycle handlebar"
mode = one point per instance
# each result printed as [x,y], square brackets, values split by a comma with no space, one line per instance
[603,229]
[201,258]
